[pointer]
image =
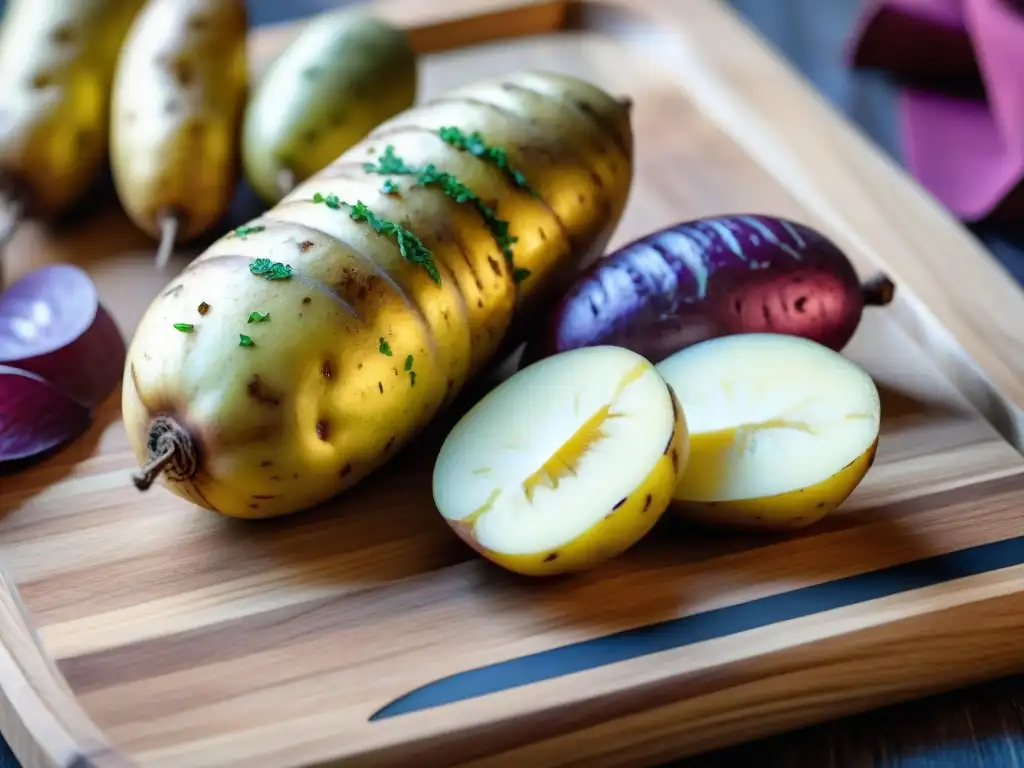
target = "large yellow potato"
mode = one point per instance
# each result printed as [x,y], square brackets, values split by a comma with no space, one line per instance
[57,60]
[373,297]
[564,465]
[782,430]
[179,96]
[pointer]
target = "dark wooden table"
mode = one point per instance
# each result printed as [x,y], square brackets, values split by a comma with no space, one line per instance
[979,727]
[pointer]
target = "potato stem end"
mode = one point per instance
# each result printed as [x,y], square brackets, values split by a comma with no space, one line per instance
[171,451]
[878,291]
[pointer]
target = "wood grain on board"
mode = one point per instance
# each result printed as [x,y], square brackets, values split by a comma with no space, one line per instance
[365,631]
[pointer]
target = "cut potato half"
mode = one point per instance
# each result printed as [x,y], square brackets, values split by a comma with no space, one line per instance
[782,429]
[564,465]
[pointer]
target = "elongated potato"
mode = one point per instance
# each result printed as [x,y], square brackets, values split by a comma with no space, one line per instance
[57,61]
[345,74]
[299,353]
[179,96]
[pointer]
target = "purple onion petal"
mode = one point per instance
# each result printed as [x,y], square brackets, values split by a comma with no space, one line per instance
[35,416]
[51,323]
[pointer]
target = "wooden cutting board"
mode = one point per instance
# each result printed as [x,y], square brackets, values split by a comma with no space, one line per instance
[152,633]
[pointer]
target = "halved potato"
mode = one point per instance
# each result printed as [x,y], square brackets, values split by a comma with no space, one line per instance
[782,429]
[564,465]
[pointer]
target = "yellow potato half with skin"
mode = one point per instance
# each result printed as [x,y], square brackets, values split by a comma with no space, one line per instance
[564,465]
[179,96]
[302,351]
[57,60]
[782,430]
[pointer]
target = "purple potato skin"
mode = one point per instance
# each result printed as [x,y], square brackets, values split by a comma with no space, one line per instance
[707,278]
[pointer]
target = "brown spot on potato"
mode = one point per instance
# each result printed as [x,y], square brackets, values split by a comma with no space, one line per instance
[494,265]
[261,393]
[203,308]
[42,80]
[581,198]
[254,506]
[543,234]
[647,502]
[820,504]
[480,302]
[305,245]
[63,34]
[295,475]
[345,471]
[266,463]
[182,71]
[675,460]
[276,478]
[306,300]
[323,430]
[309,137]
[380,386]
[197,23]
[327,370]
[620,502]
[551,558]
[390,442]
[263,497]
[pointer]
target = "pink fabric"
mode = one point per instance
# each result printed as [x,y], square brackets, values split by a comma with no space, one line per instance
[961,66]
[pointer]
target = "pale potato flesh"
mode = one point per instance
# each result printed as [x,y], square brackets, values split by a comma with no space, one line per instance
[769,414]
[552,451]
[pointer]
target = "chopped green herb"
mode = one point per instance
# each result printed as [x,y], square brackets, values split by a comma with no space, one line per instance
[331,201]
[475,145]
[245,341]
[412,378]
[520,274]
[453,188]
[389,187]
[408,363]
[184,327]
[389,163]
[271,270]
[258,317]
[410,246]
[384,347]
[248,230]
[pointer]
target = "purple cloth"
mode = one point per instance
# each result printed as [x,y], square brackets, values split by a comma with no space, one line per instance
[960,64]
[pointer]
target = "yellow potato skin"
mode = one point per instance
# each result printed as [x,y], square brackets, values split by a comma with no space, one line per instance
[784,511]
[57,63]
[342,76]
[271,433]
[624,525]
[179,96]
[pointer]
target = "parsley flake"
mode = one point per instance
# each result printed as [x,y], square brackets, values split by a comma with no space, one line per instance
[331,201]
[384,348]
[521,274]
[409,245]
[408,363]
[184,327]
[258,317]
[270,270]
[412,378]
[475,145]
[432,176]
[389,187]
[248,230]
[245,341]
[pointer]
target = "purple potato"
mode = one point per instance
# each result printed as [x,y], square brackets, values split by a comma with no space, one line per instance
[707,278]
[35,416]
[52,324]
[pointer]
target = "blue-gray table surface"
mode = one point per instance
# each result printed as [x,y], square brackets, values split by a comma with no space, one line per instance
[978,727]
